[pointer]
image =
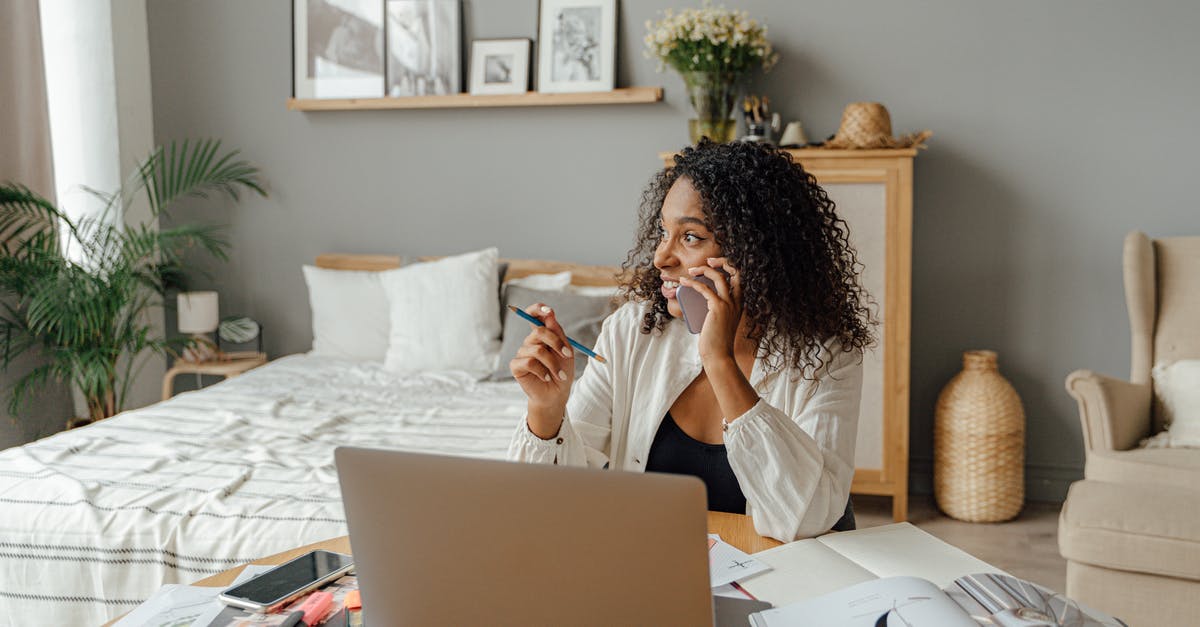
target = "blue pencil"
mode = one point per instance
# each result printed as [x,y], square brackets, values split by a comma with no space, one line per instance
[580,347]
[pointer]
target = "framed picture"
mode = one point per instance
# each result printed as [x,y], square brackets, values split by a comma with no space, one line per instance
[338,48]
[577,45]
[500,66]
[424,44]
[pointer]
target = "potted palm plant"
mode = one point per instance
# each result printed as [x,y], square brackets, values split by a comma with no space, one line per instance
[82,289]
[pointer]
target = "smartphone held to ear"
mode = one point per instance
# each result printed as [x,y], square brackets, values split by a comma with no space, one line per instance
[693,304]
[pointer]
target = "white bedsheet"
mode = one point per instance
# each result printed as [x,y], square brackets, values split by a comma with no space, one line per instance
[94,520]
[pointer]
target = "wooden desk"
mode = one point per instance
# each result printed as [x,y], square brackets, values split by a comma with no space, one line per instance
[735,529]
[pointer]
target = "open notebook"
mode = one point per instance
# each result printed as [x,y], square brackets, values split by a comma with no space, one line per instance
[809,568]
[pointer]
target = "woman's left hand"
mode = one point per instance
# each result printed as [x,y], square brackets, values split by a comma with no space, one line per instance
[719,332]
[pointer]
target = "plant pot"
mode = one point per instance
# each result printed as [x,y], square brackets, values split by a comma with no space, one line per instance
[713,95]
[75,422]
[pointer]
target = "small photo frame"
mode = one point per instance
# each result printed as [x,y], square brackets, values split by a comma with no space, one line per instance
[338,48]
[500,66]
[577,42]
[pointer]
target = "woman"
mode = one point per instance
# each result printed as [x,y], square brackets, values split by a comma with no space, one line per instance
[763,403]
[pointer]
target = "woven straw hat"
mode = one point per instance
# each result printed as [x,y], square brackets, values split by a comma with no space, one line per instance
[868,125]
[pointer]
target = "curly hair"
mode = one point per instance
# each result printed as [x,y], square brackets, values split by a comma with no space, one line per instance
[777,227]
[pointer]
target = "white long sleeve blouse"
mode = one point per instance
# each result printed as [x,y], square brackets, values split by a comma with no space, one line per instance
[792,452]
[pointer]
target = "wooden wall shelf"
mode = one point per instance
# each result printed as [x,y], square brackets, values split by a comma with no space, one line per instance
[625,95]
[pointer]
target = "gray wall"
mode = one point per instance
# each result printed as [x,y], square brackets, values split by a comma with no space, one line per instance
[1058,127]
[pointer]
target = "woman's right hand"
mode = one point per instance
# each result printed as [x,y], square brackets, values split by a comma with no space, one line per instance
[545,368]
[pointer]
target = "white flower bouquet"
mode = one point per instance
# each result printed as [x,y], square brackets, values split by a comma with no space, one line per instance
[709,39]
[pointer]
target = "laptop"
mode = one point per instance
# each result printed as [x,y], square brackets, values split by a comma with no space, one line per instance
[454,541]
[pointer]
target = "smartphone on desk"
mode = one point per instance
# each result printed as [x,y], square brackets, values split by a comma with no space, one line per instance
[695,308]
[287,582]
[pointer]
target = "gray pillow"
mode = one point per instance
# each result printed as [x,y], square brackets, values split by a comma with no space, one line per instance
[581,317]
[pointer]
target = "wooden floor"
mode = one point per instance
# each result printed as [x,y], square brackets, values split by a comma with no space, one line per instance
[1026,547]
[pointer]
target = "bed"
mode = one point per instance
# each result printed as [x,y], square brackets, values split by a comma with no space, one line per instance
[96,519]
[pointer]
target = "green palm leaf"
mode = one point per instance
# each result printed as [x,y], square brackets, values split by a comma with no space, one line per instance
[195,169]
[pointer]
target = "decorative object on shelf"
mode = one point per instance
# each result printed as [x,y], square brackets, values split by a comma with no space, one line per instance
[577,45]
[755,111]
[868,125]
[793,136]
[979,444]
[500,66]
[88,311]
[714,50]
[198,316]
[240,330]
[423,43]
[337,48]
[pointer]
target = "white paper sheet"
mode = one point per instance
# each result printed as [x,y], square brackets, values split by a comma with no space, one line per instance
[177,605]
[727,563]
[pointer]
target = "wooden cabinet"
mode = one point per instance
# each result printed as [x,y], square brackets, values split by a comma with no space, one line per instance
[873,193]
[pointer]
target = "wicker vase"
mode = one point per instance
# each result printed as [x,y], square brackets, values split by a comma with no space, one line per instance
[979,444]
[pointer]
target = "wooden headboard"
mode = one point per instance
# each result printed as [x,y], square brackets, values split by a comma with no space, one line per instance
[583,275]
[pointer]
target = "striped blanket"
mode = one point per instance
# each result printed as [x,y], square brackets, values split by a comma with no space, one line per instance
[94,520]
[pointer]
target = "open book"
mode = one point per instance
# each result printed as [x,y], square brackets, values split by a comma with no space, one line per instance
[856,578]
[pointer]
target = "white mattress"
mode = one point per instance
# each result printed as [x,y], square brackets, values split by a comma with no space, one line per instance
[94,520]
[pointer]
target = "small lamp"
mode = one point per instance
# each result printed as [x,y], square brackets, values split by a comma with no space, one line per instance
[198,315]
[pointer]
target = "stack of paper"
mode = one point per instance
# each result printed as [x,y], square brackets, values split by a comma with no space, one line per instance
[727,564]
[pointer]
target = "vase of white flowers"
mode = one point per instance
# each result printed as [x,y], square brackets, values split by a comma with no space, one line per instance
[714,50]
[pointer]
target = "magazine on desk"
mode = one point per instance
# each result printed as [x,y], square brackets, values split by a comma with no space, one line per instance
[881,564]
[973,600]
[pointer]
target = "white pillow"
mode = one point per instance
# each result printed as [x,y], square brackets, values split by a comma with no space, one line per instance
[349,313]
[1178,388]
[443,315]
[543,282]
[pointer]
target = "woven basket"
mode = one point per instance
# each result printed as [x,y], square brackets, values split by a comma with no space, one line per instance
[979,444]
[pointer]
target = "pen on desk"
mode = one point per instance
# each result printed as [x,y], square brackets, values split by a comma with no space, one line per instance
[580,347]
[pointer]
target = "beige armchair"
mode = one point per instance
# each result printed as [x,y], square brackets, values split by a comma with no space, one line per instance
[1130,531]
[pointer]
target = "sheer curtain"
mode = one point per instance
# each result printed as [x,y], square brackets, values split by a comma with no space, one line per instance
[24,121]
[26,159]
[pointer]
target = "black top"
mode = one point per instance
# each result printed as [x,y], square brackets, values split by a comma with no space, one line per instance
[676,452]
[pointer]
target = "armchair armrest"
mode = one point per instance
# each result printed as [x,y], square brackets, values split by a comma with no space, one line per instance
[1115,414]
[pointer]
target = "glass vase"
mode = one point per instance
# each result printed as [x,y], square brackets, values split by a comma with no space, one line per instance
[713,95]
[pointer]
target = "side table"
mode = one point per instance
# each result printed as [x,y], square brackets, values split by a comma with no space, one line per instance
[230,365]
